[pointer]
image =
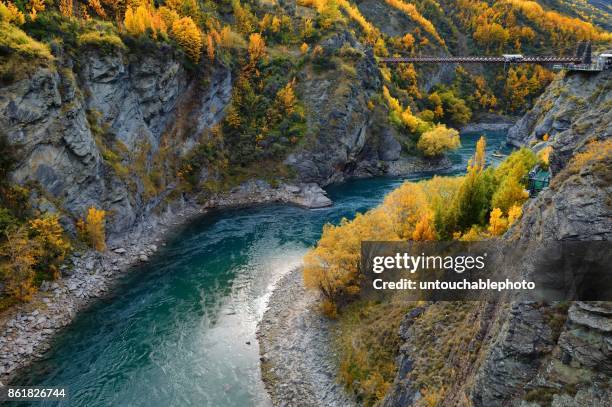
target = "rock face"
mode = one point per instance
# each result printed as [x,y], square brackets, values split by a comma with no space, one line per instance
[572,108]
[63,117]
[349,140]
[90,130]
[528,354]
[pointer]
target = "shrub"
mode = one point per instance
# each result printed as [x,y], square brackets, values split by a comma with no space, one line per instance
[101,40]
[595,151]
[438,140]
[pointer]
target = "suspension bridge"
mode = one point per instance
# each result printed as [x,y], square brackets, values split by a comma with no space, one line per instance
[581,61]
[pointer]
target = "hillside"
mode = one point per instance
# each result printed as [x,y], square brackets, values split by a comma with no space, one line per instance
[552,354]
[483,353]
[114,115]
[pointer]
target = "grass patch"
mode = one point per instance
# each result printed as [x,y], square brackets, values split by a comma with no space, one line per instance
[367,340]
[16,40]
[444,343]
[101,40]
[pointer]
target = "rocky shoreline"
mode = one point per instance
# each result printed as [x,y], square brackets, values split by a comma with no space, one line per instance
[27,329]
[298,362]
[489,122]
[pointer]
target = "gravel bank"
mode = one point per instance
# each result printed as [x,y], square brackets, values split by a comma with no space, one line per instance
[26,330]
[298,363]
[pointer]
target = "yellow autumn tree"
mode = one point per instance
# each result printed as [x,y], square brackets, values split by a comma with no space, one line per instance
[49,235]
[36,6]
[438,140]
[168,15]
[97,8]
[404,208]
[66,7]
[333,266]
[92,229]
[304,48]
[544,156]
[514,214]
[11,14]
[424,228]
[144,19]
[20,253]
[257,48]
[210,47]
[413,13]
[189,37]
[497,223]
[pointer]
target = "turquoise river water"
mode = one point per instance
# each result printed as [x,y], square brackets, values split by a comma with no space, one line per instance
[175,331]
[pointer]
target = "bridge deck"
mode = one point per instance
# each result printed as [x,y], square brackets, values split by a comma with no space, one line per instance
[480,60]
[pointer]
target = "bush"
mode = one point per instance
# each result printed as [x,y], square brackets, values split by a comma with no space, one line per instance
[101,40]
[438,140]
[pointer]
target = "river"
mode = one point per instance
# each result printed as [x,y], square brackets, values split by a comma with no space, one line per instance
[180,330]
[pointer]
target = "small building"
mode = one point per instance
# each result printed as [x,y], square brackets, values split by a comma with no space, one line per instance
[603,62]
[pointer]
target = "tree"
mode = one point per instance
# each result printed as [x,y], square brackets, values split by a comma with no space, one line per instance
[245,20]
[49,235]
[404,208]
[304,48]
[210,47]
[188,36]
[424,228]
[408,41]
[438,140]
[18,271]
[497,224]
[36,6]
[509,177]
[472,202]
[413,13]
[514,214]
[97,8]
[257,48]
[509,194]
[11,14]
[66,8]
[143,20]
[92,229]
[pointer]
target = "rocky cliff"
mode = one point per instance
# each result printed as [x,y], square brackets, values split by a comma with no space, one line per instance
[83,126]
[103,128]
[531,354]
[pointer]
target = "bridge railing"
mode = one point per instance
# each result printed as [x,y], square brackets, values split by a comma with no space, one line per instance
[481,60]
